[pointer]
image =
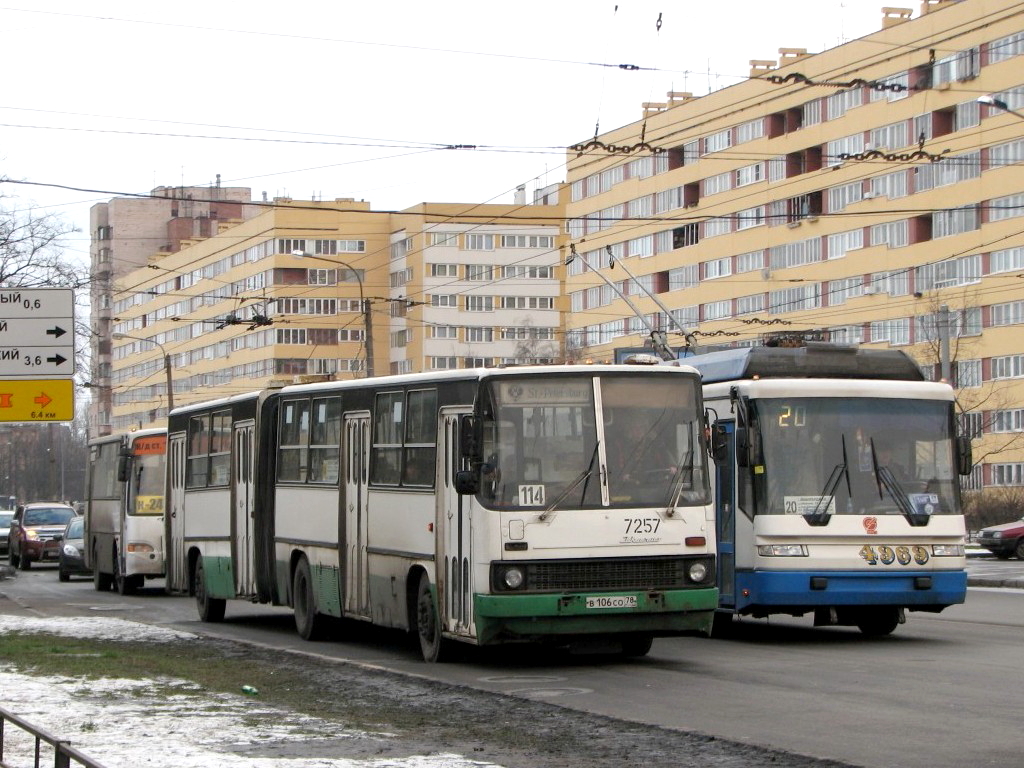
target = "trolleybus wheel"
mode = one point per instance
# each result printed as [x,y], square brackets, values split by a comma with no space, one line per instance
[428,625]
[101,581]
[878,622]
[308,622]
[637,645]
[211,609]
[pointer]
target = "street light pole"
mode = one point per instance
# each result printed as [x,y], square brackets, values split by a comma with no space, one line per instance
[167,366]
[992,101]
[364,305]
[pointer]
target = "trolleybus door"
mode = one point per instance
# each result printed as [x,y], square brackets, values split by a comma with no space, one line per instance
[244,439]
[725,517]
[356,584]
[174,563]
[455,531]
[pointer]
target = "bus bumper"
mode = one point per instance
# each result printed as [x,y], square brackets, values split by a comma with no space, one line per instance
[763,592]
[502,618]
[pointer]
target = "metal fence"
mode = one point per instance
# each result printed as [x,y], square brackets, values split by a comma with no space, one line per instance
[63,753]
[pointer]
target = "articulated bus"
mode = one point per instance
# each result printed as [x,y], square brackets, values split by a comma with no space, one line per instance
[124,514]
[836,487]
[484,506]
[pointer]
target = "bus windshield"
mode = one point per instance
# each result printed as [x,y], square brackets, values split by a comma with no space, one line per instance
[146,492]
[547,443]
[823,456]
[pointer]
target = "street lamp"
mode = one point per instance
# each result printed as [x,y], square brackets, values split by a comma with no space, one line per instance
[167,365]
[364,305]
[992,101]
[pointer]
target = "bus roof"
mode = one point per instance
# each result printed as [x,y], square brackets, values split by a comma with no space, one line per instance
[820,361]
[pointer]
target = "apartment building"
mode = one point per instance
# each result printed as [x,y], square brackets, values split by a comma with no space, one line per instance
[315,289]
[475,285]
[862,195]
[282,295]
[124,233]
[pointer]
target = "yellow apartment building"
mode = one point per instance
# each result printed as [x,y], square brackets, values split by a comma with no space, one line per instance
[869,194]
[334,289]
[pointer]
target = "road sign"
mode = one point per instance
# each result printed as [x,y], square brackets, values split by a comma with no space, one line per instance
[43,400]
[37,338]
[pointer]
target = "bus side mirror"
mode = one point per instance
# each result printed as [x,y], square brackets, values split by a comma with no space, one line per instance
[469,442]
[467,482]
[719,443]
[124,467]
[964,455]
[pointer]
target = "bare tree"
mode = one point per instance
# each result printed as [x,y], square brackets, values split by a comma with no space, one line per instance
[32,251]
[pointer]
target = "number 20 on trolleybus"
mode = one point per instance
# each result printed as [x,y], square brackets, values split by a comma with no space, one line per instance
[487,506]
[124,518]
[836,488]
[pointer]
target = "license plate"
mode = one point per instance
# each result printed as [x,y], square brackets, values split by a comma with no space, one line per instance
[611,601]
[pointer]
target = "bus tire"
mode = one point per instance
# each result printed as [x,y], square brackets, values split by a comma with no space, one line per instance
[308,622]
[211,609]
[428,625]
[101,581]
[878,622]
[635,646]
[125,585]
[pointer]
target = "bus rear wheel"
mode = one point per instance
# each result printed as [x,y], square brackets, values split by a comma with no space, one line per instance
[211,609]
[125,585]
[308,622]
[100,580]
[428,625]
[878,622]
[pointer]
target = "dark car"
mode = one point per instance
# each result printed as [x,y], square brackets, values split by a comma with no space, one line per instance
[36,533]
[1004,540]
[72,551]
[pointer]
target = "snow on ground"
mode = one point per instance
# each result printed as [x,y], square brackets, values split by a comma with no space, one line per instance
[167,722]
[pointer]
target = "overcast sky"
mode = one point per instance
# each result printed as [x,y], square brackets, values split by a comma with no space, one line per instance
[353,99]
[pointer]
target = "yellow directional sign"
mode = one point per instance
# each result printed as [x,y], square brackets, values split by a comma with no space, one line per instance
[40,400]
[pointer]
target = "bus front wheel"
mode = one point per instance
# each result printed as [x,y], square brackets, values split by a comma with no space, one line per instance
[428,625]
[211,609]
[308,622]
[878,622]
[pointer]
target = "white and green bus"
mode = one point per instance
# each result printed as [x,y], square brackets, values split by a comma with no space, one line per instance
[484,506]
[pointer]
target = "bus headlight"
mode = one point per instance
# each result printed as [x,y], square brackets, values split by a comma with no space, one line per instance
[948,550]
[782,550]
[513,577]
[698,571]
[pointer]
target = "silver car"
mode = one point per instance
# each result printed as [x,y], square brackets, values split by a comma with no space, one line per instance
[5,528]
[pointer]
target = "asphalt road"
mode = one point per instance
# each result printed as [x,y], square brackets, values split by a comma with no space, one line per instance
[943,690]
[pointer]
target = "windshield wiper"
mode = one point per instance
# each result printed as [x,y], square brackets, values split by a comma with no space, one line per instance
[885,477]
[820,516]
[683,468]
[584,475]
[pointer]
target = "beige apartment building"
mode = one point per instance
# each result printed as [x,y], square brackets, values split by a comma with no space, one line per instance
[310,289]
[124,233]
[862,194]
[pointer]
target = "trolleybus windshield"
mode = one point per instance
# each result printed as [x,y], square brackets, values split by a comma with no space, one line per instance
[824,456]
[586,442]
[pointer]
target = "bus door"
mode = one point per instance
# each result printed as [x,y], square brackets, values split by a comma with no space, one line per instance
[175,562]
[355,586]
[725,517]
[244,438]
[454,533]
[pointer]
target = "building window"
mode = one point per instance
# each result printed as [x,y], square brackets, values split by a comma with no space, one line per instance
[480,272]
[1008,367]
[478,242]
[443,300]
[479,303]
[450,239]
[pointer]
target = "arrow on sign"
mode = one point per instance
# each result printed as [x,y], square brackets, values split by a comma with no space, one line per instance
[43,400]
[58,359]
[55,332]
